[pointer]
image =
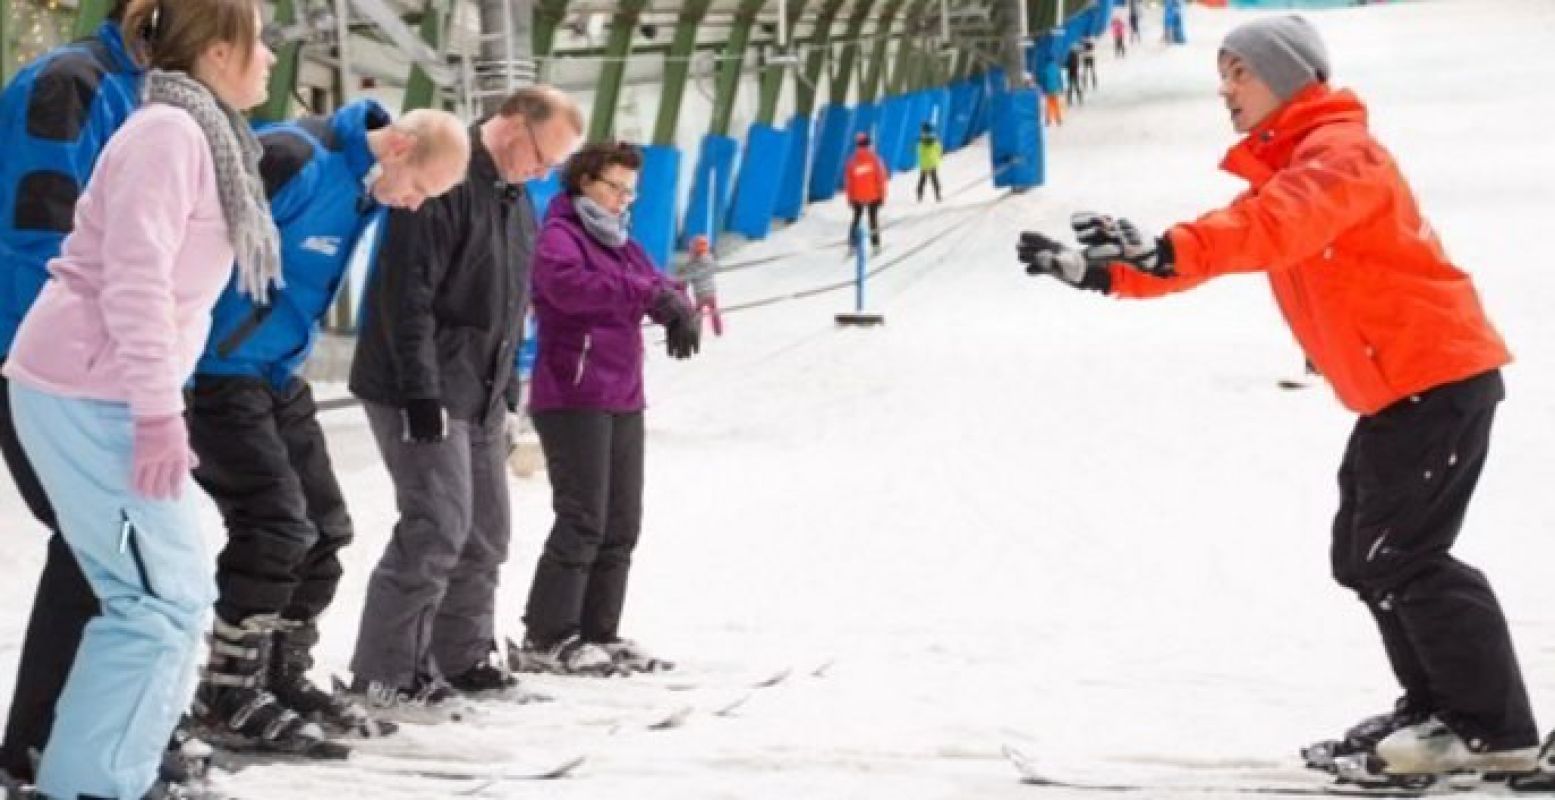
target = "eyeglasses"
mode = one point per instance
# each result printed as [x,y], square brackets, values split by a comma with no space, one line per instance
[622,191]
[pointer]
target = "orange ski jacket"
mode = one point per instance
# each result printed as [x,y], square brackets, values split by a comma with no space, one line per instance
[1358,273]
[866,177]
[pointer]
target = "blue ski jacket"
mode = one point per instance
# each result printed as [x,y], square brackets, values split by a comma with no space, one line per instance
[55,118]
[316,172]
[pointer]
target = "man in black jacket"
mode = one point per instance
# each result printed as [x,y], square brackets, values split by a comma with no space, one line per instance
[442,321]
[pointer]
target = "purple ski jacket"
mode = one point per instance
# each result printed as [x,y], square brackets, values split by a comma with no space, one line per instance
[589,303]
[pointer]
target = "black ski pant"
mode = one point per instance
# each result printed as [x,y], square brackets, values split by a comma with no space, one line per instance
[874,223]
[63,605]
[595,460]
[1408,474]
[1074,91]
[264,462]
[925,177]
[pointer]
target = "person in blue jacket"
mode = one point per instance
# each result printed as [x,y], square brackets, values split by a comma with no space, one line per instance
[55,117]
[253,422]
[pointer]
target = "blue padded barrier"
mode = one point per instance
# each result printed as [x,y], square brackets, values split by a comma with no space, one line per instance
[653,214]
[790,197]
[709,203]
[761,170]
[832,145]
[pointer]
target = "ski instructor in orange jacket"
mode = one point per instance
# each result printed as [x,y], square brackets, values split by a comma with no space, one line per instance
[1399,332]
[865,181]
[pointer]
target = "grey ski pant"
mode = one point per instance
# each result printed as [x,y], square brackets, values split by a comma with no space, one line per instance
[430,601]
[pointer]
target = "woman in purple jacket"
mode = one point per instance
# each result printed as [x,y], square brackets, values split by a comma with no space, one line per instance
[592,287]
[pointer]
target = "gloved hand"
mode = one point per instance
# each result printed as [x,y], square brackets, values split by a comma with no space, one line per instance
[682,323]
[160,456]
[684,337]
[1044,256]
[425,421]
[1111,240]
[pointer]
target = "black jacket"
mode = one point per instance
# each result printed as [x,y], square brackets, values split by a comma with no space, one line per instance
[443,314]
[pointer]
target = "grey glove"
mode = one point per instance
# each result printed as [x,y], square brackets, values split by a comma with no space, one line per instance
[1044,256]
[1110,240]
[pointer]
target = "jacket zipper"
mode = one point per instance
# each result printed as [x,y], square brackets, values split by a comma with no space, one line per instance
[583,359]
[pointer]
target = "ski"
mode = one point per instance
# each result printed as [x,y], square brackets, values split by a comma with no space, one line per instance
[1034,773]
[457,771]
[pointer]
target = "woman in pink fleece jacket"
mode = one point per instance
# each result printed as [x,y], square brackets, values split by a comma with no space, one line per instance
[98,368]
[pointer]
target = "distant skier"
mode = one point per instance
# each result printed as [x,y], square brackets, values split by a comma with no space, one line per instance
[1088,61]
[1076,89]
[1119,30]
[930,151]
[1399,332]
[697,272]
[865,184]
[1133,21]
[1052,87]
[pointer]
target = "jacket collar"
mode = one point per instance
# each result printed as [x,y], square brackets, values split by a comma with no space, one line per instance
[350,125]
[1268,147]
[112,37]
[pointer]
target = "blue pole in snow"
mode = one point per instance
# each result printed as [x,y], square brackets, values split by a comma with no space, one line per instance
[858,274]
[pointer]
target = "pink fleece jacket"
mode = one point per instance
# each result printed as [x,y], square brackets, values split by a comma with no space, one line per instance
[127,308]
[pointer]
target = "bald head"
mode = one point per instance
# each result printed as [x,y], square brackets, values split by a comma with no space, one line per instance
[423,154]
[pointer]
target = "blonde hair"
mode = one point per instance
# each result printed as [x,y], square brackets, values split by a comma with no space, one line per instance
[172,34]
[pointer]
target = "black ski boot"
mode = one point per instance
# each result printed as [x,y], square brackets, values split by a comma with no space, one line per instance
[235,710]
[290,661]
[490,679]
[1361,739]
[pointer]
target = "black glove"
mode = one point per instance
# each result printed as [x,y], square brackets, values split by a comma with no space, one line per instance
[682,323]
[1108,240]
[424,420]
[1043,256]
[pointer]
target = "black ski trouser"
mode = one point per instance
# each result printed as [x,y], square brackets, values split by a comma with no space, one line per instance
[927,176]
[1408,474]
[874,223]
[64,603]
[264,462]
[595,460]
[1074,91]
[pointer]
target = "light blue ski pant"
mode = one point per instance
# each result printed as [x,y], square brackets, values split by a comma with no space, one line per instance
[147,563]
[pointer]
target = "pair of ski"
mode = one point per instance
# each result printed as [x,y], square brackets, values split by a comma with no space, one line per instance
[479,776]
[1034,772]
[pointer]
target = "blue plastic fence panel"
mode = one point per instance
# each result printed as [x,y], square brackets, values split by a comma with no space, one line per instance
[1173,22]
[893,128]
[653,214]
[977,116]
[761,171]
[790,195]
[1017,139]
[709,203]
[957,119]
[832,145]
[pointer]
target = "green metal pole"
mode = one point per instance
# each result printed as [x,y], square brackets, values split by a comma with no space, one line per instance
[677,67]
[906,49]
[870,88]
[548,16]
[844,74]
[283,75]
[731,60]
[618,48]
[772,75]
[419,90]
[89,14]
[815,62]
[5,42]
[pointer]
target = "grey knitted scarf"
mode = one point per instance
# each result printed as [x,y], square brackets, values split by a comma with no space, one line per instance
[235,152]
[608,229]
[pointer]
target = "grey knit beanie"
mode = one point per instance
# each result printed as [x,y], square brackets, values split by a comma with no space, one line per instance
[1285,52]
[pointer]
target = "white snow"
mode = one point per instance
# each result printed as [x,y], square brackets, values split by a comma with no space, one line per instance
[1017,513]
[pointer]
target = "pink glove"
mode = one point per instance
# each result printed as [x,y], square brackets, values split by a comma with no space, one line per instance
[161,456]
